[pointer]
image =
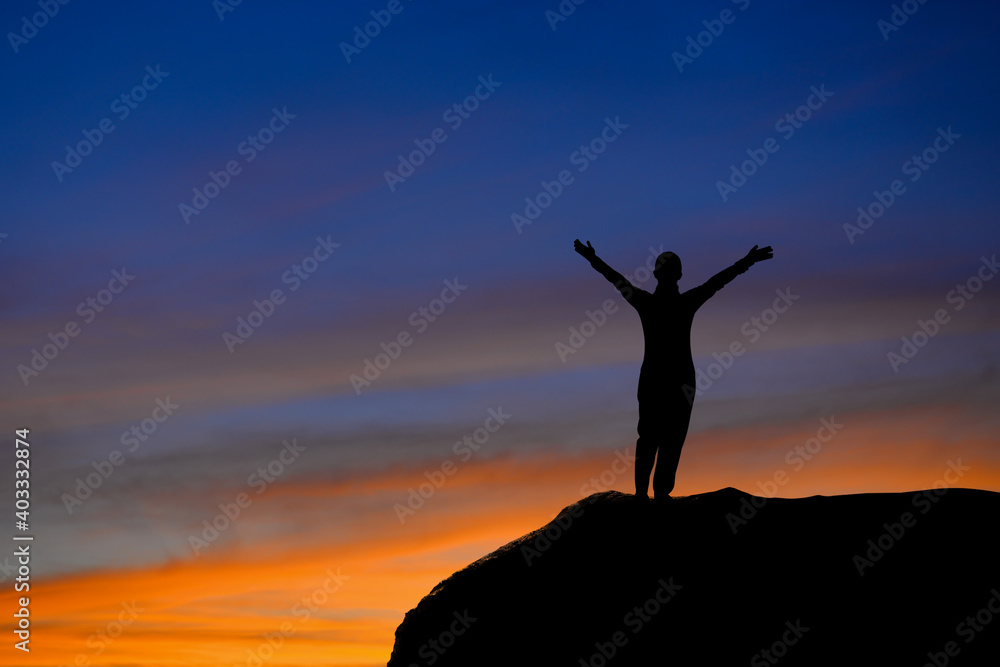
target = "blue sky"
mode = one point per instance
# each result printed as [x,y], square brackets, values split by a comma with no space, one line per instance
[323,176]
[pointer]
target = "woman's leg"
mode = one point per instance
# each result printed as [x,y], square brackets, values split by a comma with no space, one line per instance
[645,456]
[646,445]
[676,411]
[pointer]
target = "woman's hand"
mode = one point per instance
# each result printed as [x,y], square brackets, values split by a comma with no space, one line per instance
[587,250]
[759,254]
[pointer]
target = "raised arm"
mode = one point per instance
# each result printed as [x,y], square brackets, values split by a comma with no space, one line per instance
[618,280]
[724,277]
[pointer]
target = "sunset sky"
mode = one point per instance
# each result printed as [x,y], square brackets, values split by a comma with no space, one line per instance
[227,285]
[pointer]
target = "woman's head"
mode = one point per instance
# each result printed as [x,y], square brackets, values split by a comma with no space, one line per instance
[668,267]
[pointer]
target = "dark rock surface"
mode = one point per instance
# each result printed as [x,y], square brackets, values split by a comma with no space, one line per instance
[726,578]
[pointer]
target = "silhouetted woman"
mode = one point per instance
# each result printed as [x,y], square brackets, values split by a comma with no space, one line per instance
[666,378]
